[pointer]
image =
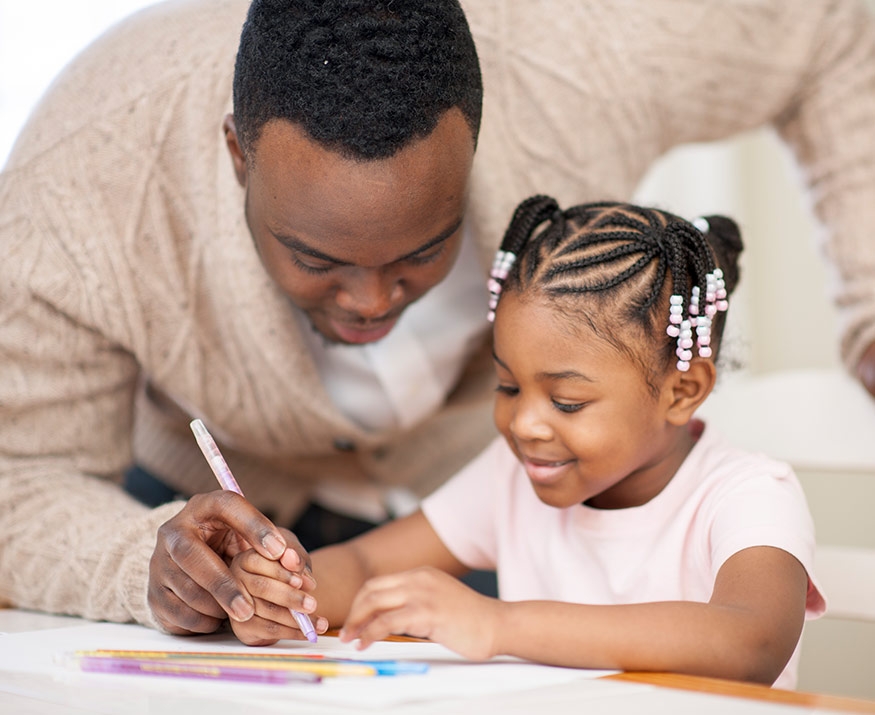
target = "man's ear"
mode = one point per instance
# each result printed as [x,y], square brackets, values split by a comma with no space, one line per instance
[688,390]
[234,149]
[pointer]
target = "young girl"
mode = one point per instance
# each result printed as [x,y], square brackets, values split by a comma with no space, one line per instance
[625,533]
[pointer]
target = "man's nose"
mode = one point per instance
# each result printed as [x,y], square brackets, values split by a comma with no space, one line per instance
[370,293]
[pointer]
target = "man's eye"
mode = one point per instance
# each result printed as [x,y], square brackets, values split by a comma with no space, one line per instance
[310,264]
[428,256]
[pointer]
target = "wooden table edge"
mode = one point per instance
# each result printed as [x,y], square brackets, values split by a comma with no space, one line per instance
[747,690]
[732,688]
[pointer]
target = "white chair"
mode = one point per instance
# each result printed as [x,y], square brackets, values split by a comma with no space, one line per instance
[823,423]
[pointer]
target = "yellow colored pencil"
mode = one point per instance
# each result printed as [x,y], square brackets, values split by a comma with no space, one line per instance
[316,666]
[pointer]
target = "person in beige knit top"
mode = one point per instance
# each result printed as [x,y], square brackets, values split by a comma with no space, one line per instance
[296,252]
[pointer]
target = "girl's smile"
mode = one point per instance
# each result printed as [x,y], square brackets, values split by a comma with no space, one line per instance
[545,472]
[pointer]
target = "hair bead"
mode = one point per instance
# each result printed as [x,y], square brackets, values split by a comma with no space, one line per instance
[528,216]
[501,265]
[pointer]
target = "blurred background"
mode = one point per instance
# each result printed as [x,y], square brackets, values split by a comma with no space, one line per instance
[750,178]
[782,316]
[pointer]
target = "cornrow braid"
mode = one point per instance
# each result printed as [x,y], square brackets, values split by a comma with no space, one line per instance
[526,218]
[637,261]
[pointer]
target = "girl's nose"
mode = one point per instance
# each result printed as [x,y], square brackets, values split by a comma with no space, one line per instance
[528,424]
[370,293]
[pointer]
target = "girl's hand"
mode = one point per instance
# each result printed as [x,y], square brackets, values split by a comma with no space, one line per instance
[277,587]
[426,603]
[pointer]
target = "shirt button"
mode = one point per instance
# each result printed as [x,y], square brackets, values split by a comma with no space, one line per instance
[344,445]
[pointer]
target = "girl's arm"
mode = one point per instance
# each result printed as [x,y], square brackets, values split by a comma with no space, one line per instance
[342,569]
[747,631]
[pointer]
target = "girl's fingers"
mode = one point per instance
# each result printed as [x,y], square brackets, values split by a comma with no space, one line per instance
[373,608]
[253,563]
[264,631]
[269,582]
[276,613]
[272,623]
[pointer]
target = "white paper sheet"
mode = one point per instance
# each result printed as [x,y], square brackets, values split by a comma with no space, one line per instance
[449,676]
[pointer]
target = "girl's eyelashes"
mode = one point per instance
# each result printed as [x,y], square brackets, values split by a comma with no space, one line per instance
[568,408]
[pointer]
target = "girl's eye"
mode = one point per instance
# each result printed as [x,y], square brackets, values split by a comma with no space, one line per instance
[568,408]
[507,390]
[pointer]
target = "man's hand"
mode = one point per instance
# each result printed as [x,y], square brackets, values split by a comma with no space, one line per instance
[191,588]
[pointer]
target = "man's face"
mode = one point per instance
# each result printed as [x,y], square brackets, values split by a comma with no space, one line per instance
[352,243]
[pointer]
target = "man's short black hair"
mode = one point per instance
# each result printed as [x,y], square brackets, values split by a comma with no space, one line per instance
[362,77]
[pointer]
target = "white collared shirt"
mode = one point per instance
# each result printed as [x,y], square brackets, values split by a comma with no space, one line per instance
[398,381]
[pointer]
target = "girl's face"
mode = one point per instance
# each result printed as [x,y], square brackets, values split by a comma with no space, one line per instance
[577,412]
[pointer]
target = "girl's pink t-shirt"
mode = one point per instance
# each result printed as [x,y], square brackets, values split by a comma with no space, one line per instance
[720,501]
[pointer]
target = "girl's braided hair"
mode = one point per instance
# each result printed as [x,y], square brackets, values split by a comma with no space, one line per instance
[617,266]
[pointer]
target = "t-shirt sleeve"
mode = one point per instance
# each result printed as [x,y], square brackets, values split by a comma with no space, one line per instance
[767,509]
[463,510]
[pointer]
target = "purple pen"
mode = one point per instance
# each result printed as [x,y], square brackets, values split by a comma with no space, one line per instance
[220,468]
[128,666]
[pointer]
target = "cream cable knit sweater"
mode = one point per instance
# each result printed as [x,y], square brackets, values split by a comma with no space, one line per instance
[131,297]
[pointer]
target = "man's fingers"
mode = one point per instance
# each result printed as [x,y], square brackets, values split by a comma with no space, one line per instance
[178,603]
[223,508]
[190,561]
[177,617]
[204,566]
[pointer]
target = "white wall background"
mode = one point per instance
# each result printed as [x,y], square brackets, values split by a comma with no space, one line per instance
[36,39]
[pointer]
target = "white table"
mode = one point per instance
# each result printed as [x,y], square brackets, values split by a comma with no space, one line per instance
[38,694]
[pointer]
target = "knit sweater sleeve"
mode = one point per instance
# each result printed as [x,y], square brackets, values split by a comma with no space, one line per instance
[830,125]
[71,541]
[89,265]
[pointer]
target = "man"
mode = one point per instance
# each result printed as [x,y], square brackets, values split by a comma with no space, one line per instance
[171,253]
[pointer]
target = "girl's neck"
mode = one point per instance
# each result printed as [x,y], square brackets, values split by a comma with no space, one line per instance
[640,487]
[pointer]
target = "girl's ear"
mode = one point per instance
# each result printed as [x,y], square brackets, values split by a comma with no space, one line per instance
[687,390]
[237,157]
